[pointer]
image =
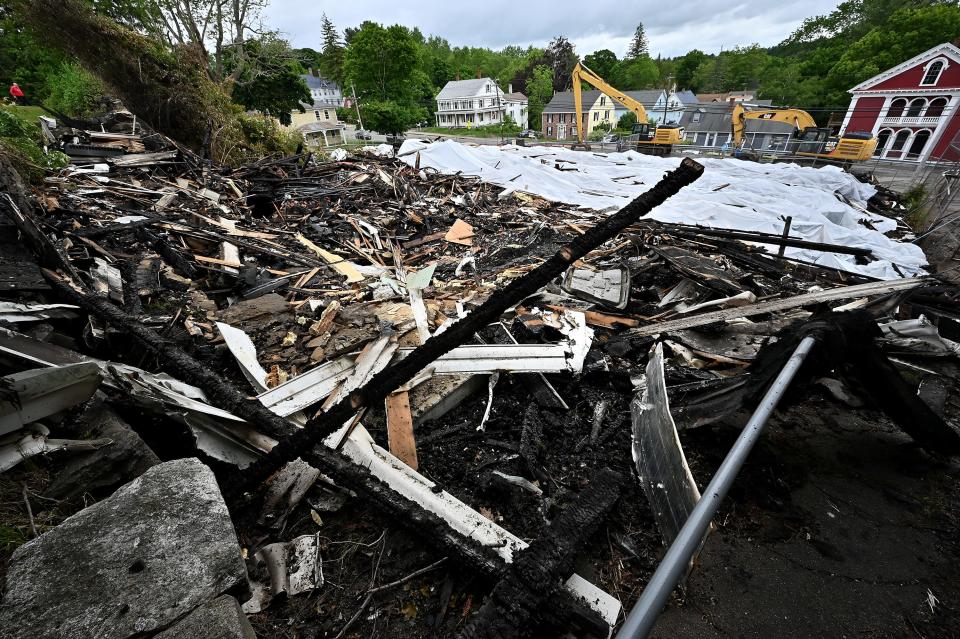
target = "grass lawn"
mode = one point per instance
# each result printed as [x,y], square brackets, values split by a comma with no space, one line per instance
[26,113]
[492,131]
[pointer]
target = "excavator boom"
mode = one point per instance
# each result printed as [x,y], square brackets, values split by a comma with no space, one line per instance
[582,74]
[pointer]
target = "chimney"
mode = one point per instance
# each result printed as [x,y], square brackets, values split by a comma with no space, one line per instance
[510,88]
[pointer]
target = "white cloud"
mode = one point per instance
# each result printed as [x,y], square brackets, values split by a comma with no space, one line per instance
[672,28]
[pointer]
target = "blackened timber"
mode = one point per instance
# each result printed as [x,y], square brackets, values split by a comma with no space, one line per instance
[684,230]
[564,609]
[175,361]
[538,570]
[392,377]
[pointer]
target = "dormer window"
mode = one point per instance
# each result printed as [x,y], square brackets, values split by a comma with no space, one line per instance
[931,73]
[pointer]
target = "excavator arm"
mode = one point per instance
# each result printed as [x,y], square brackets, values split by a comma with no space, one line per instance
[799,119]
[582,74]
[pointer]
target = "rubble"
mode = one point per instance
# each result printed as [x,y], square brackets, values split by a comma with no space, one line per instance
[131,564]
[368,343]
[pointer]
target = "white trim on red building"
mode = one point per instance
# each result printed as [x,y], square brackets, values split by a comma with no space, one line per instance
[911,108]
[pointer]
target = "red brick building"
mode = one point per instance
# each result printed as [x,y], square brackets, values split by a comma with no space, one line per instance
[912,108]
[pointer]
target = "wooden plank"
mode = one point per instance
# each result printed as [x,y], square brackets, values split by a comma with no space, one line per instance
[460,233]
[340,265]
[217,261]
[770,306]
[603,320]
[400,437]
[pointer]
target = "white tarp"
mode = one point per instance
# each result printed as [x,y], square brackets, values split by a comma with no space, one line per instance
[758,197]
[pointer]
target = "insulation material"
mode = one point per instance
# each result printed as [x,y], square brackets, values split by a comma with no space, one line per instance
[758,196]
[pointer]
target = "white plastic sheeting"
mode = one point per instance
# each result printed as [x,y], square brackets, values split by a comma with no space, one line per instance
[732,194]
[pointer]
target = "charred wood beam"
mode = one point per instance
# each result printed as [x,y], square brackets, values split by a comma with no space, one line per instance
[688,230]
[175,360]
[559,608]
[48,255]
[539,569]
[392,506]
[170,255]
[392,377]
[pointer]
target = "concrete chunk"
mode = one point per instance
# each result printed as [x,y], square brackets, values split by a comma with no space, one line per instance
[219,619]
[129,565]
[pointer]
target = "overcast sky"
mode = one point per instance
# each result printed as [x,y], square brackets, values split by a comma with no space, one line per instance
[673,28]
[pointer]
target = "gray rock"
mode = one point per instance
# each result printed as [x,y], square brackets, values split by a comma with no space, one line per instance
[219,619]
[99,471]
[129,565]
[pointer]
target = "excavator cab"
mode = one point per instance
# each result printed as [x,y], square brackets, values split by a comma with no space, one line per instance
[850,147]
[643,132]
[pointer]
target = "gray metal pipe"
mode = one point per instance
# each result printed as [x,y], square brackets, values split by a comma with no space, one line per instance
[647,609]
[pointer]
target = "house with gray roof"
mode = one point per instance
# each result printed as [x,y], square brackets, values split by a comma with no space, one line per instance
[325,93]
[708,125]
[475,102]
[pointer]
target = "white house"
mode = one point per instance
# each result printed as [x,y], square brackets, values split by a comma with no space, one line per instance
[515,104]
[477,102]
[324,92]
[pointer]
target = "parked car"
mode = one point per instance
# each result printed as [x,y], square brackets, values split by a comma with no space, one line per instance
[527,133]
[610,138]
[395,139]
[361,134]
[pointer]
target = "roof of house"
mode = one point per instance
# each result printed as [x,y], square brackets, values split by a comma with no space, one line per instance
[946,48]
[562,102]
[687,97]
[516,96]
[316,106]
[316,127]
[463,88]
[314,82]
[725,97]
[716,117]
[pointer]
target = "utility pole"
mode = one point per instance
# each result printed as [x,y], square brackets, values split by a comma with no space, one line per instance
[356,103]
[666,100]
[499,108]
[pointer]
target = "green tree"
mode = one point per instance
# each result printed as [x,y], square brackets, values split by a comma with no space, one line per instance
[331,60]
[561,57]
[268,77]
[627,121]
[539,93]
[388,116]
[601,62]
[24,59]
[309,58]
[686,67]
[635,73]
[380,62]
[639,45]
[909,31]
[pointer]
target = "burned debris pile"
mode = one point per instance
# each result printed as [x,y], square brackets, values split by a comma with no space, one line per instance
[420,394]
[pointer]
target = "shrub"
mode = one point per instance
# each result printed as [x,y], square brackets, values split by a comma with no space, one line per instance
[20,141]
[74,91]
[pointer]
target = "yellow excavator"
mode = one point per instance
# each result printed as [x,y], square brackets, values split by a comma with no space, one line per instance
[653,140]
[808,139]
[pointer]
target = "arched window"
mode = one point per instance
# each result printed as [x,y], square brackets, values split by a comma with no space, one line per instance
[896,108]
[916,108]
[882,139]
[901,140]
[932,73]
[936,107]
[919,142]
